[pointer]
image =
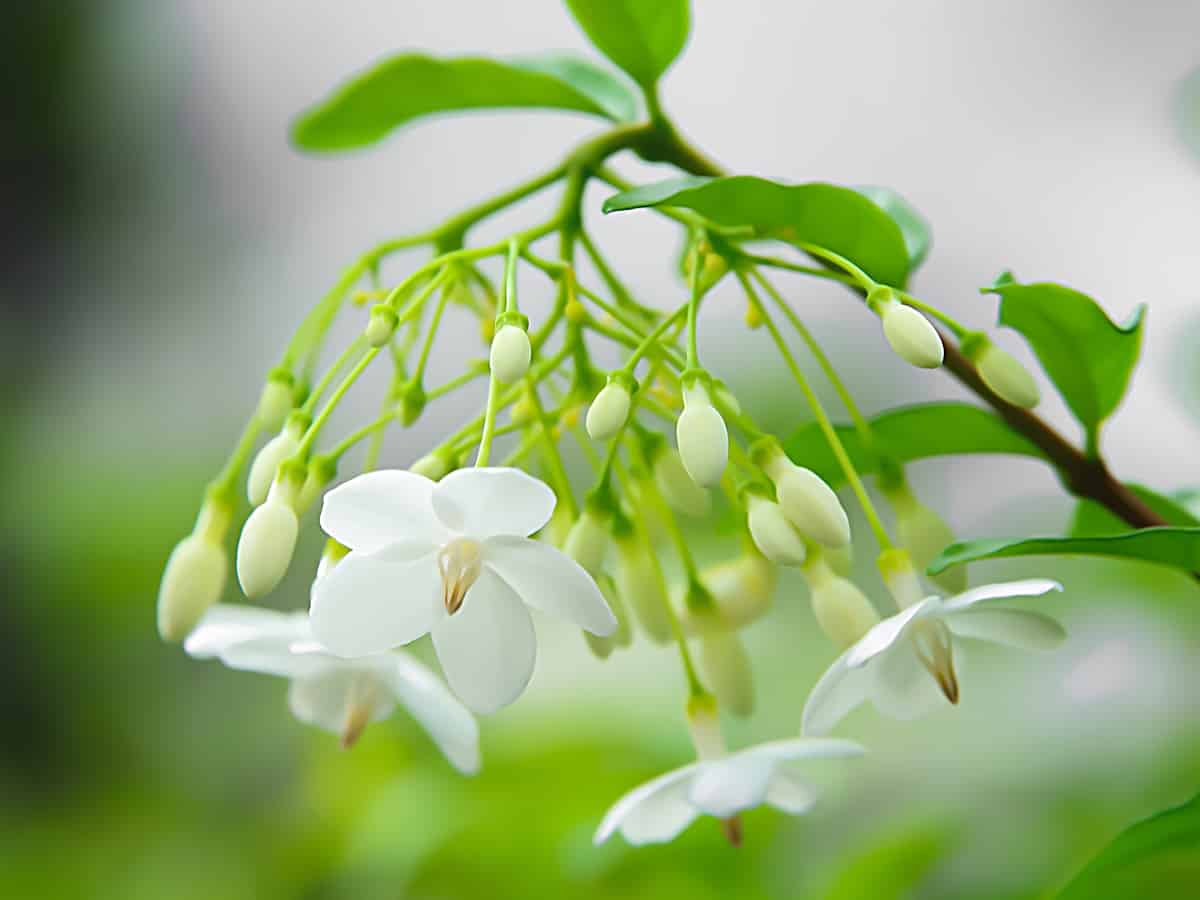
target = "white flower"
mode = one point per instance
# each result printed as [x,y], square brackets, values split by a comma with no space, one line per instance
[901,663]
[338,695]
[661,809]
[452,558]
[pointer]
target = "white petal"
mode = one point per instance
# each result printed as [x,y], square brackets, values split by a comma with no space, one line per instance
[792,749]
[550,581]
[485,502]
[1022,628]
[837,692]
[366,605]
[725,787]
[224,625]
[380,508]
[487,648]
[274,657]
[789,794]
[324,700]
[1030,587]
[889,631]
[448,722]
[654,812]
[901,687]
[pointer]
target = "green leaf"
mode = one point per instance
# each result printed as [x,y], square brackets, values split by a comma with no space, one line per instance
[403,88]
[836,218]
[643,37]
[1156,857]
[917,235]
[1091,519]
[1168,545]
[910,433]
[1086,355]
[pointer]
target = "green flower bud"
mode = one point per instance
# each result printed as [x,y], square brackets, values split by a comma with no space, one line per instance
[641,584]
[609,411]
[677,486]
[434,466]
[412,403]
[194,577]
[701,437]
[741,589]
[587,541]
[510,354]
[275,401]
[911,336]
[1004,374]
[808,502]
[775,537]
[266,545]
[725,667]
[267,460]
[381,326]
[840,559]
[842,610]
[925,534]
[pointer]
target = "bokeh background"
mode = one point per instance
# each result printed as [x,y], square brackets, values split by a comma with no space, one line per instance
[158,241]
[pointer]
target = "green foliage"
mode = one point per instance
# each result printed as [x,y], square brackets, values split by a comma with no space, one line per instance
[1087,356]
[1091,519]
[832,217]
[1168,545]
[910,433]
[1157,857]
[891,868]
[643,37]
[403,88]
[917,234]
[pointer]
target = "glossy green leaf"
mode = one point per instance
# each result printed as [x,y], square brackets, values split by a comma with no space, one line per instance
[1156,857]
[1091,519]
[643,37]
[1087,356]
[910,433]
[1168,545]
[917,234]
[403,88]
[836,218]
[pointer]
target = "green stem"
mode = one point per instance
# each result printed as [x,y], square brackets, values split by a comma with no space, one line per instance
[649,340]
[223,486]
[451,233]
[609,277]
[489,423]
[346,355]
[957,328]
[319,422]
[427,346]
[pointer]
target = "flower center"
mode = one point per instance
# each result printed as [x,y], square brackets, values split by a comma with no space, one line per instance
[459,562]
[360,704]
[932,643]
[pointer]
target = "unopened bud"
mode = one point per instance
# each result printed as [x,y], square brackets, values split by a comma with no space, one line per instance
[925,534]
[333,554]
[840,559]
[587,542]
[808,502]
[705,728]
[266,462]
[321,471]
[523,412]
[266,545]
[774,536]
[275,401]
[701,437]
[487,330]
[433,466]
[1003,373]
[608,412]
[902,580]
[911,336]
[754,317]
[741,589]
[193,581]
[677,487]
[842,610]
[381,326]
[726,670]
[412,403]
[510,354]
[575,312]
[623,635]
[641,584]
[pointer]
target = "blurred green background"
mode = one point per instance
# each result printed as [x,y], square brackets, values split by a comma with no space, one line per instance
[159,239]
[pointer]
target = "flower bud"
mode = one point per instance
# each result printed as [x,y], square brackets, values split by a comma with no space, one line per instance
[321,470]
[603,647]
[677,487]
[705,728]
[1004,374]
[275,401]
[192,582]
[266,546]
[608,412]
[774,536]
[381,326]
[433,466]
[641,585]
[523,412]
[911,336]
[701,437]
[901,578]
[925,534]
[510,354]
[840,559]
[412,403]
[333,554]
[741,589]
[842,610]
[726,671]
[808,502]
[266,462]
[587,541]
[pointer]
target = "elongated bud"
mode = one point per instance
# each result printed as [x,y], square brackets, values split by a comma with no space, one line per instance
[925,534]
[321,470]
[726,670]
[907,331]
[608,412]
[740,588]
[412,402]
[808,502]
[677,486]
[333,554]
[840,559]
[510,354]
[587,541]
[641,584]
[195,574]
[775,537]
[275,401]
[602,647]
[274,452]
[381,326]
[1002,372]
[705,728]
[901,577]
[842,610]
[267,543]
[701,437]
[434,466]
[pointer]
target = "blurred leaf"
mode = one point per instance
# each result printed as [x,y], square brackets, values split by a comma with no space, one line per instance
[1157,857]
[1170,546]
[407,87]
[911,433]
[1091,519]
[1087,356]
[643,37]
[917,235]
[889,869]
[1187,111]
[836,218]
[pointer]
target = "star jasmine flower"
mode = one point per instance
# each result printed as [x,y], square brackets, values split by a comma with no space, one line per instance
[339,695]
[452,558]
[901,663]
[722,787]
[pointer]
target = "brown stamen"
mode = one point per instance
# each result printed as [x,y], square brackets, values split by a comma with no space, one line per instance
[932,643]
[732,829]
[460,562]
[358,716]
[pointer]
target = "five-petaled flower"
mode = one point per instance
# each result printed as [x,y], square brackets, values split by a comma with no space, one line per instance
[453,558]
[339,695]
[662,808]
[903,661]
